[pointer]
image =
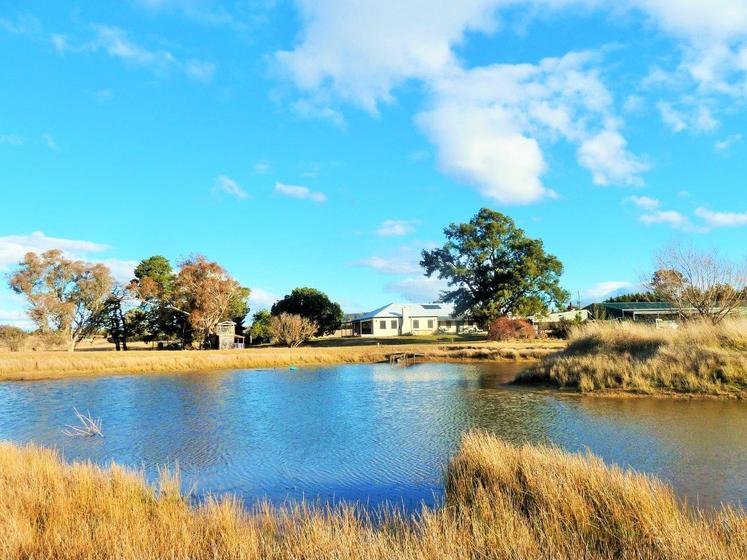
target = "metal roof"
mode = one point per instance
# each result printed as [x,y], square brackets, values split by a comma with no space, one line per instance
[394,310]
[638,305]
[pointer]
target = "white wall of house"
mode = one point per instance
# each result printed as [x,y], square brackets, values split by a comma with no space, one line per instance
[423,325]
[386,327]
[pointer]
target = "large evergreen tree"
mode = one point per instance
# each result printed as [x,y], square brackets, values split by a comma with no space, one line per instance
[493,268]
[313,305]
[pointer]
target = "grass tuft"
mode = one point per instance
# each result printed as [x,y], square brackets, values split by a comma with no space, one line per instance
[502,502]
[695,359]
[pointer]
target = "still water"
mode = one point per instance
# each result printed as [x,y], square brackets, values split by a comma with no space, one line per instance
[371,433]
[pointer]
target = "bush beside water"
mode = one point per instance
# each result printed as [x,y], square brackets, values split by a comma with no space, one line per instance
[696,358]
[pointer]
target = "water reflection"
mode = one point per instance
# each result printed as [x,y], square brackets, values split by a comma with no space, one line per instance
[368,432]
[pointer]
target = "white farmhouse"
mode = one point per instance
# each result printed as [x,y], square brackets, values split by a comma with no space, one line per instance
[397,319]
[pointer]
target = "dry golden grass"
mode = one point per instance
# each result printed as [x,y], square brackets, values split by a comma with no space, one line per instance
[697,358]
[52,365]
[503,502]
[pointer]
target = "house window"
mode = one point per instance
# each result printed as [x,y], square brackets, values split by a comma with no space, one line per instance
[382,325]
[394,324]
[430,323]
[415,324]
[367,327]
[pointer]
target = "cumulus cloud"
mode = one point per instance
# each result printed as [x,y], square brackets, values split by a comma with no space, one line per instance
[489,123]
[609,161]
[228,186]
[396,227]
[722,219]
[298,191]
[397,40]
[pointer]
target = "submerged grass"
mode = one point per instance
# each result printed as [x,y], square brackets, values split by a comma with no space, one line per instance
[695,359]
[502,502]
[51,365]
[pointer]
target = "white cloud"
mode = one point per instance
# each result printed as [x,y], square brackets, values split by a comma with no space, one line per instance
[122,270]
[228,186]
[418,289]
[319,110]
[704,120]
[671,117]
[487,123]
[391,265]
[119,44]
[482,146]
[261,299]
[396,227]
[49,141]
[14,247]
[728,142]
[606,156]
[670,217]
[645,202]
[714,35]
[362,50]
[722,219]
[298,191]
[610,288]
[699,119]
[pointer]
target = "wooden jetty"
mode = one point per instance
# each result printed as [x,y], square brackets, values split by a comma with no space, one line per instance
[404,358]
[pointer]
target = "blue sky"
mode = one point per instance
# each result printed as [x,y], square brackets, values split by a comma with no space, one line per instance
[324,143]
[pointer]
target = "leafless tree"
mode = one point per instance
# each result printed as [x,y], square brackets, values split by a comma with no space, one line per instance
[291,330]
[700,283]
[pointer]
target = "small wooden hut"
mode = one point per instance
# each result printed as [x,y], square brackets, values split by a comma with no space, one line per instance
[226,337]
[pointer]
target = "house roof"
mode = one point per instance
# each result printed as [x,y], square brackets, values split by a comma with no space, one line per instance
[394,310]
[637,306]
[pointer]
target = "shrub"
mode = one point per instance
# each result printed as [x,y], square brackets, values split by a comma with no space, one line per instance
[292,330]
[12,338]
[504,328]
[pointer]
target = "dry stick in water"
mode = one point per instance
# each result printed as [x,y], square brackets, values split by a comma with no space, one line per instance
[90,427]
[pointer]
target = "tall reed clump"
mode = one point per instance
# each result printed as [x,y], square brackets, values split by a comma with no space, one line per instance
[696,358]
[502,502]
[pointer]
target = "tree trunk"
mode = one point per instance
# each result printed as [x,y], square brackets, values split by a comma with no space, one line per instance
[123,322]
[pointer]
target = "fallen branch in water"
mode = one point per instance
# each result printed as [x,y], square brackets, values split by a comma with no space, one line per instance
[90,426]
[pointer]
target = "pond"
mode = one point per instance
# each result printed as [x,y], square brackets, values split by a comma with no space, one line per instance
[371,433]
